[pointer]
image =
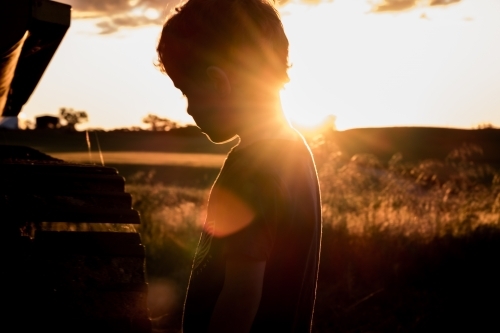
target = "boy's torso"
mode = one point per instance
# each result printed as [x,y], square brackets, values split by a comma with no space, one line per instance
[277,180]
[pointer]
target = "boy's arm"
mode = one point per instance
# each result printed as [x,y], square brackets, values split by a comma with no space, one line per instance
[240,297]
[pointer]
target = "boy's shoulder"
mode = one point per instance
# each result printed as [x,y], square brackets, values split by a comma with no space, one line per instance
[271,153]
[267,164]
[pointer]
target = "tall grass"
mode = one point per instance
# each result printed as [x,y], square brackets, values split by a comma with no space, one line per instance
[430,198]
[406,246]
[171,221]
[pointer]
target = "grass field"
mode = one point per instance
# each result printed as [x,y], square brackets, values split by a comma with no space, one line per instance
[411,241]
[198,160]
[407,246]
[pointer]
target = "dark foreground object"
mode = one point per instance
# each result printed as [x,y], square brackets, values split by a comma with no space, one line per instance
[392,283]
[382,283]
[62,277]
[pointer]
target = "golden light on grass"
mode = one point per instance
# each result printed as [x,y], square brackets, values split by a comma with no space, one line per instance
[147,158]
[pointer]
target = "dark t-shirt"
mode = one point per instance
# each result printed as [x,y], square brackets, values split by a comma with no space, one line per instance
[277,181]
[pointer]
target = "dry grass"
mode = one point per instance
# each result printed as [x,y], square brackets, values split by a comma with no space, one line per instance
[406,247]
[429,199]
[145,158]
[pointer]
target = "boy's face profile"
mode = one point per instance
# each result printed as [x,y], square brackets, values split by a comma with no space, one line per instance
[209,102]
[230,72]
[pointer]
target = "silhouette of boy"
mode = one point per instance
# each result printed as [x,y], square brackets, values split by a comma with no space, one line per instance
[256,264]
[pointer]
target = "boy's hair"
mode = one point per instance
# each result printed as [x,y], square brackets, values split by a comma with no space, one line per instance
[245,35]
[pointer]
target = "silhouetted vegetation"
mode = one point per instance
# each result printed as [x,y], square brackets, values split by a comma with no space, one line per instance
[407,246]
[72,117]
[414,143]
[158,123]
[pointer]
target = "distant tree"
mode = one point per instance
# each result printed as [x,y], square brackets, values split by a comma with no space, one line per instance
[485,126]
[29,124]
[72,117]
[157,123]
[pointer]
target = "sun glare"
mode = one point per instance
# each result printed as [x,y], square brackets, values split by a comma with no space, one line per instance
[152,14]
[374,70]
[310,97]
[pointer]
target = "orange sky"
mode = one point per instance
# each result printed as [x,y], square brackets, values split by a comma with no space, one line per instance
[424,66]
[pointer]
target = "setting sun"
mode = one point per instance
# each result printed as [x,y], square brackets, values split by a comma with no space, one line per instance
[372,69]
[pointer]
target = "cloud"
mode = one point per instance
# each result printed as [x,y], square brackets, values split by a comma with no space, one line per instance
[308,2]
[113,24]
[394,5]
[116,14]
[442,2]
[135,18]
[98,8]
[401,5]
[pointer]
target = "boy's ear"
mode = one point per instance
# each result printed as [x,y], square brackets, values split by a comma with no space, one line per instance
[219,79]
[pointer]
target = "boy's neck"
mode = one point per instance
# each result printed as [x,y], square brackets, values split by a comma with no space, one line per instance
[267,122]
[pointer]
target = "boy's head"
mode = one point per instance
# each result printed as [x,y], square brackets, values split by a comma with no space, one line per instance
[222,54]
[245,37]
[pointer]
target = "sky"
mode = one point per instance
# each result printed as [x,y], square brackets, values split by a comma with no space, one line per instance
[370,63]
